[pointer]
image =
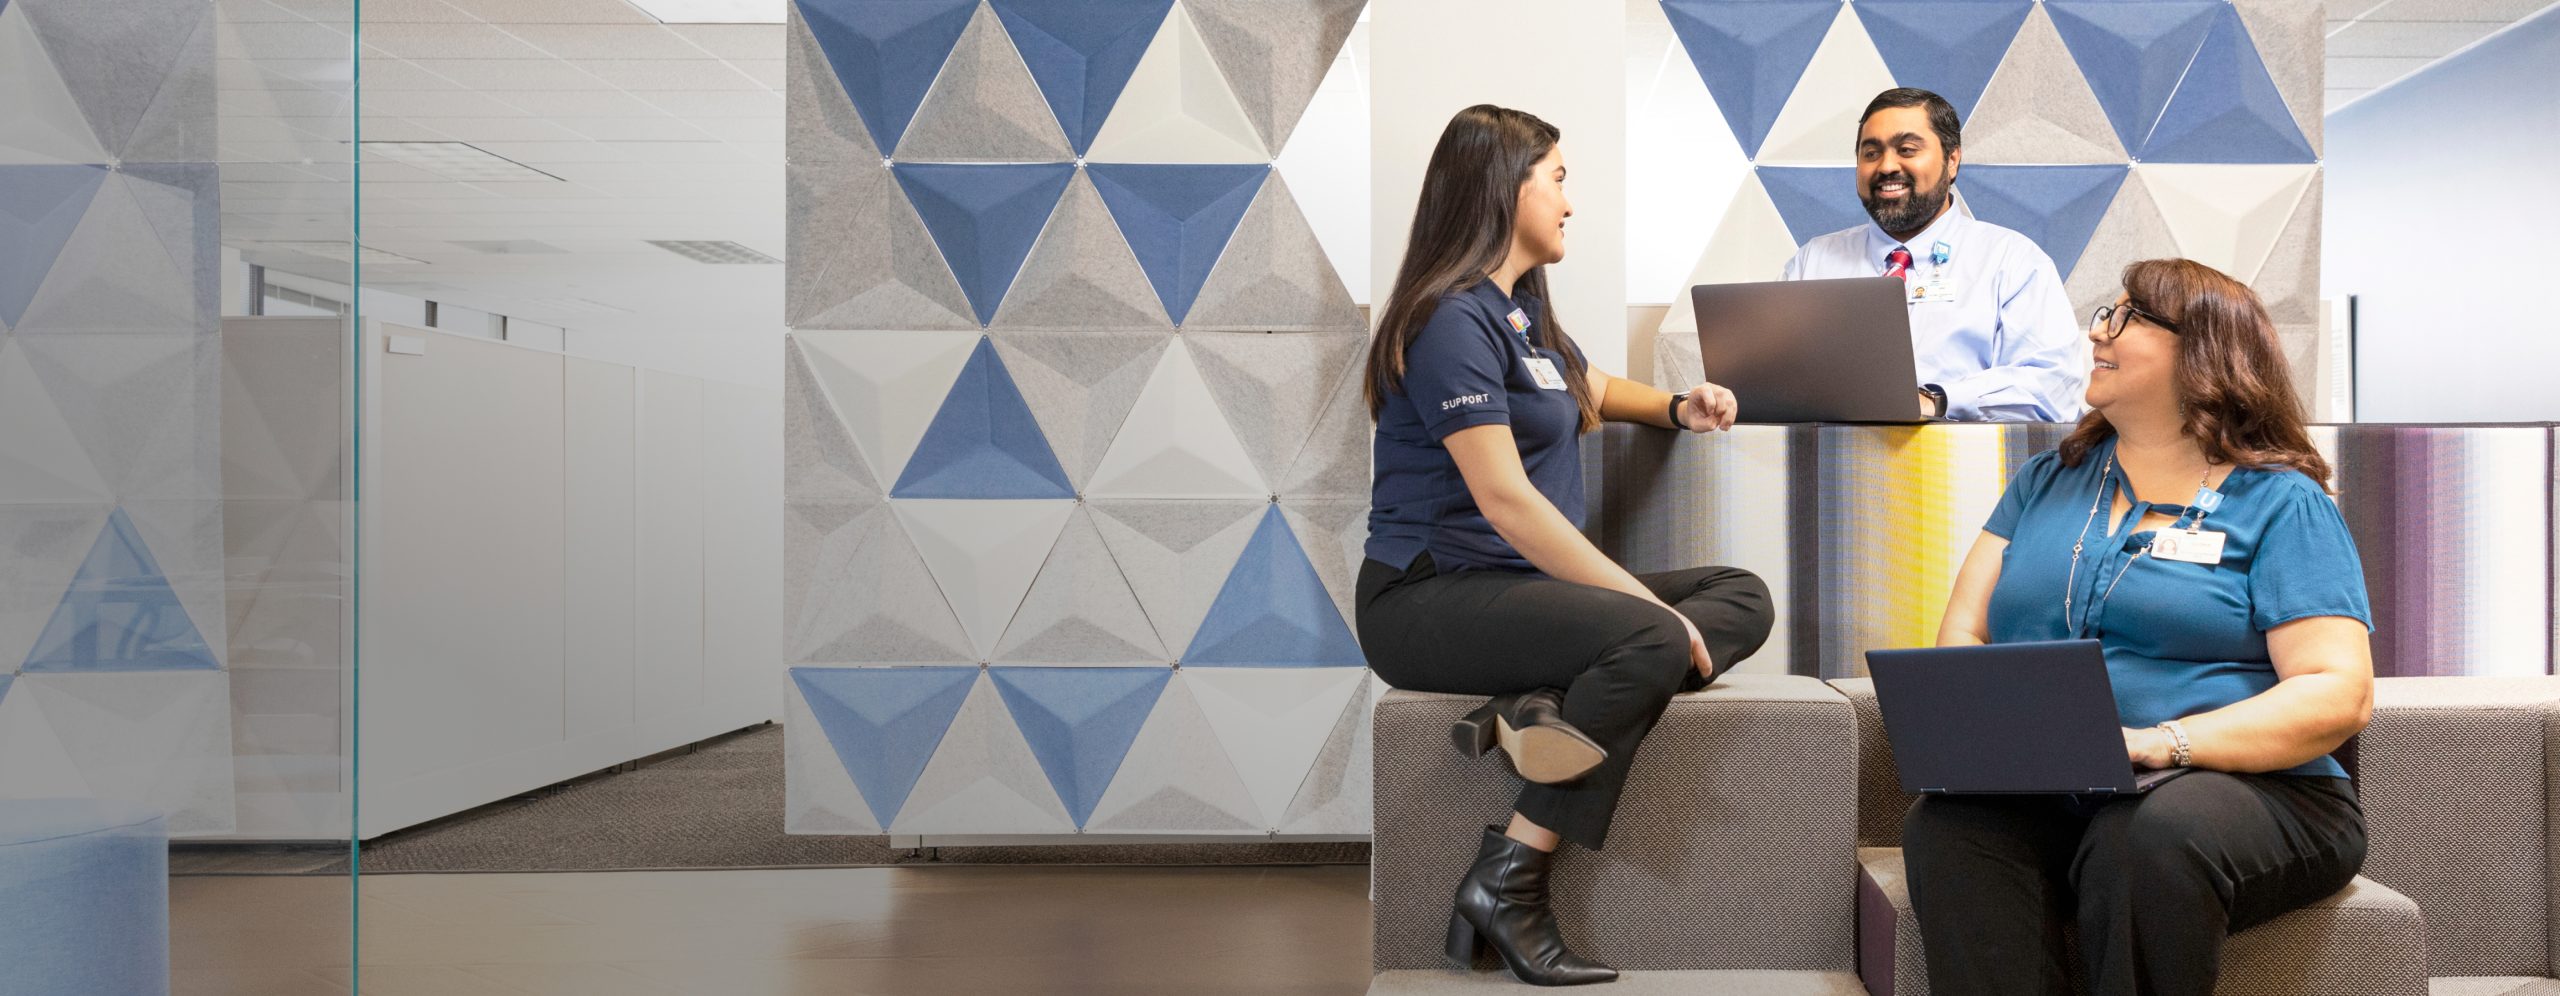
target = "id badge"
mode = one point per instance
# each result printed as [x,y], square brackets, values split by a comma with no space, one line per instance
[1933,290]
[1543,371]
[2188,546]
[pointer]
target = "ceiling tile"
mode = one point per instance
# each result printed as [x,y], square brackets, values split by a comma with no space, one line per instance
[581,103]
[2352,71]
[665,74]
[555,11]
[717,103]
[735,41]
[2406,39]
[609,41]
[656,129]
[431,40]
[511,74]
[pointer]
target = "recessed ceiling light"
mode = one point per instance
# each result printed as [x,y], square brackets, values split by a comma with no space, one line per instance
[714,252]
[713,11]
[453,160]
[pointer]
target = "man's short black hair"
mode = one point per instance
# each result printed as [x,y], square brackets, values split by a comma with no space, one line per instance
[1942,115]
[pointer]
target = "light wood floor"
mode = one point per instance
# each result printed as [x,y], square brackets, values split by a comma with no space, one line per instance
[840,932]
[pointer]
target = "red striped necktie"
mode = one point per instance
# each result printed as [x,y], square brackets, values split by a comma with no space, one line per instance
[1898,263]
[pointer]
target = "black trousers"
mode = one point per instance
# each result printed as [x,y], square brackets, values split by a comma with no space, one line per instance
[2155,882]
[1618,658]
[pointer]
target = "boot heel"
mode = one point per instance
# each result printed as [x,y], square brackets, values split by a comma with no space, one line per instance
[1462,942]
[1473,733]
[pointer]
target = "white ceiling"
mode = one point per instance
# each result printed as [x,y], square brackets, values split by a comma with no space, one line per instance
[2373,43]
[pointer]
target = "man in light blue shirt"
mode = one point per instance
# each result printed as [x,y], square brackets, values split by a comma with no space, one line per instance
[1991,329]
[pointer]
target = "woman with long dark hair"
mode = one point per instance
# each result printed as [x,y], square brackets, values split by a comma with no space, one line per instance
[2186,526]
[1479,580]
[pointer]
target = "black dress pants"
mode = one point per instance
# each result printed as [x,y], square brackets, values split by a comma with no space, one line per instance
[2154,882]
[1618,658]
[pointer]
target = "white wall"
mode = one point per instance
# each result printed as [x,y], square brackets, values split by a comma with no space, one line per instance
[566,564]
[2439,222]
[1562,62]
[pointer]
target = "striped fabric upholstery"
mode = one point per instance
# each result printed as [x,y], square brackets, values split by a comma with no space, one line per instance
[1859,530]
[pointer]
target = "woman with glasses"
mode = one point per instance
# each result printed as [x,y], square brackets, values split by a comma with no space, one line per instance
[2185,525]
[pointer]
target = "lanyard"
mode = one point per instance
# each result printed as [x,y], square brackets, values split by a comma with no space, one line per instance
[2205,501]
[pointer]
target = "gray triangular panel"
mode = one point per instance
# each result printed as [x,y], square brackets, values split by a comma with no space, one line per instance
[2132,230]
[819,458]
[182,202]
[1176,555]
[1269,384]
[1335,461]
[858,592]
[1081,274]
[2289,283]
[984,107]
[1274,54]
[1080,610]
[1080,386]
[1335,533]
[1336,795]
[117,275]
[861,258]
[116,56]
[2292,40]
[144,407]
[179,125]
[820,122]
[1274,275]
[2038,108]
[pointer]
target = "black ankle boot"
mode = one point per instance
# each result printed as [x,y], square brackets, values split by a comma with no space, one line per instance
[1530,727]
[1502,904]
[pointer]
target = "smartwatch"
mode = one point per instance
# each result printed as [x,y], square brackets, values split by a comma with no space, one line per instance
[1676,401]
[1937,396]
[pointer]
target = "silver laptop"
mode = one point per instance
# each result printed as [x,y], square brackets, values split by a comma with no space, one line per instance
[1811,350]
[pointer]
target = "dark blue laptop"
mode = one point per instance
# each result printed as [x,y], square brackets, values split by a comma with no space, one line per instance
[2008,718]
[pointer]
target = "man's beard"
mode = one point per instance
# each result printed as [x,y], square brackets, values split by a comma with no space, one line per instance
[1914,211]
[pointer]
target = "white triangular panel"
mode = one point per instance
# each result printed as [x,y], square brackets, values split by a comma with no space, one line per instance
[1273,722]
[1336,797]
[1177,555]
[1819,124]
[1751,245]
[1178,107]
[2228,216]
[887,386]
[984,554]
[818,794]
[983,779]
[1176,777]
[1176,443]
[39,122]
[40,459]
[115,275]
[1269,384]
[1080,610]
[33,763]
[159,738]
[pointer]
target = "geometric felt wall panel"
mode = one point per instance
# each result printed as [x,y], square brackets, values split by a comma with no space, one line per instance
[40,206]
[2133,54]
[2228,216]
[820,458]
[1949,47]
[41,459]
[885,53]
[1274,55]
[1177,776]
[2131,230]
[861,258]
[1273,723]
[819,795]
[983,778]
[121,271]
[824,126]
[1335,798]
[1814,200]
[984,107]
[2226,108]
[1080,610]
[1751,244]
[984,217]
[1261,381]
[1081,274]
[984,555]
[120,614]
[2037,108]
[2289,37]
[858,591]
[1274,610]
[1751,52]
[886,387]
[1274,275]
[1335,532]
[1335,461]
[159,739]
[1819,123]
[1080,386]
[1082,52]
[1178,107]
[119,59]
[39,122]
[1080,722]
[1177,219]
[1177,555]
[1176,443]
[983,443]
[2057,207]
[884,722]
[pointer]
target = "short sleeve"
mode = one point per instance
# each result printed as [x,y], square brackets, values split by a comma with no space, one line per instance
[2030,484]
[2306,565]
[1453,372]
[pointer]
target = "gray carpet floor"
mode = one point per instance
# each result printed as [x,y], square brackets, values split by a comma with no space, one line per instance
[717,805]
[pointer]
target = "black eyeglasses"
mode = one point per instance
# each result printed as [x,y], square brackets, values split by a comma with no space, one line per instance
[2114,317]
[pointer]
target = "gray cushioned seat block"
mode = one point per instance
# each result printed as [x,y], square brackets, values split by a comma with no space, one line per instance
[1733,847]
[1745,982]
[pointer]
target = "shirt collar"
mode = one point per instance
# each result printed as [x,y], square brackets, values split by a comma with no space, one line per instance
[1491,294]
[1946,229]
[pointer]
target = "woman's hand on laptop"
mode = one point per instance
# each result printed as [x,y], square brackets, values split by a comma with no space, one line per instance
[1709,408]
[2148,749]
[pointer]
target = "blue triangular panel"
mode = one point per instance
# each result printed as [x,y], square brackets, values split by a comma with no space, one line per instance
[2227,109]
[984,442]
[985,217]
[1946,46]
[886,53]
[884,722]
[1080,721]
[5,679]
[1081,52]
[1750,53]
[119,614]
[1814,200]
[1177,219]
[39,208]
[1273,611]
[2132,52]
[2056,207]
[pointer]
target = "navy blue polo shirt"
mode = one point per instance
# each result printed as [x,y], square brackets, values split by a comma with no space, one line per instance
[1468,367]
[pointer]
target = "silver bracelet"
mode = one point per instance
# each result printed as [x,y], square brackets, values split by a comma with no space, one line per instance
[2182,754]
